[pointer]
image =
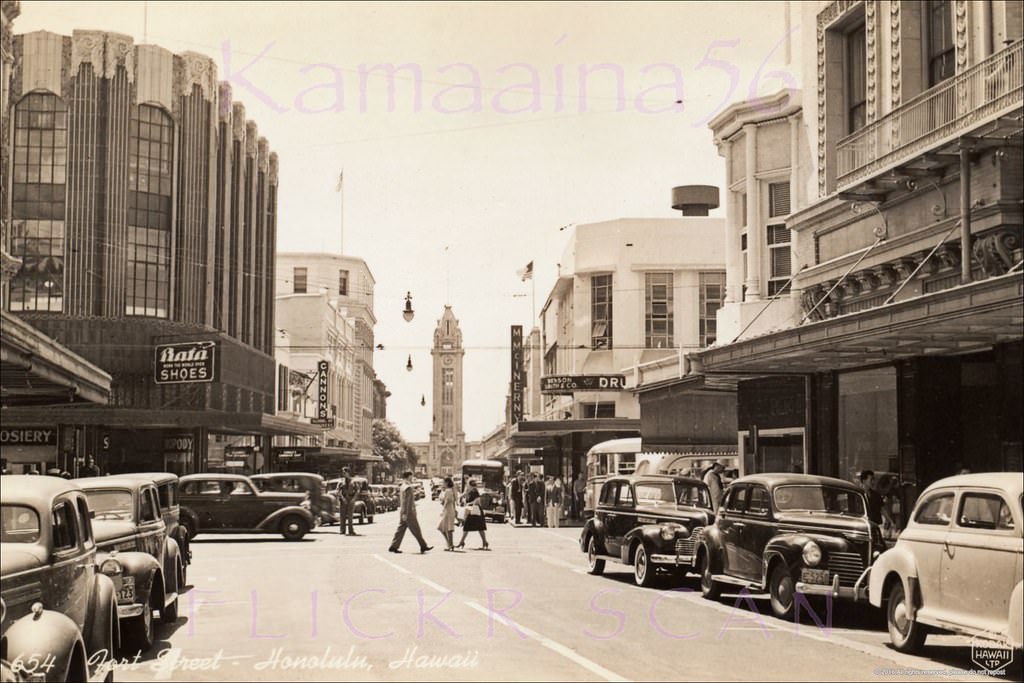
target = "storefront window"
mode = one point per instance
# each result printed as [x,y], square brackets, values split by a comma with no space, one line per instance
[868,438]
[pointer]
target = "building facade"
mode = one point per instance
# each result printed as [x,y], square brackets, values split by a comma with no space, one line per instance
[330,300]
[143,207]
[899,346]
[631,293]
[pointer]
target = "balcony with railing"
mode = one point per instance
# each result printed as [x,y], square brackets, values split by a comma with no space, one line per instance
[973,98]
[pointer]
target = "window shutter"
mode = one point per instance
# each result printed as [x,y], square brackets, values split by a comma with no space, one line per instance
[778,199]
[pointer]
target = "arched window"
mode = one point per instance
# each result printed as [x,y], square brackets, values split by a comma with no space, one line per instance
[150,167]
[37,195]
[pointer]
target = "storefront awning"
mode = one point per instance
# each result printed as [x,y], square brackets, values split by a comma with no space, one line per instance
[539,432]
[36,370]
[964,319]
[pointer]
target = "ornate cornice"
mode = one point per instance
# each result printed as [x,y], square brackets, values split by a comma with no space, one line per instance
[272,169]
[871,58]
[821,110]
[252,135]
[120,52]
[87,48]
[237,121]
[262,154]
[895,46]
[199,70]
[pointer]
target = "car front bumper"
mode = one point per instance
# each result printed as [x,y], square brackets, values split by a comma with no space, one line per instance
[675,560]
[858,591]
[129,610]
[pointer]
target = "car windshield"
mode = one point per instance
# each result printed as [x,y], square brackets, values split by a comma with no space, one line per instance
[828,499]
[692,495]
[486,478]
[111,504]
[20,524]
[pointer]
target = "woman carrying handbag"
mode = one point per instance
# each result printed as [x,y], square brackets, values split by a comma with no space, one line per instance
[474,520]
[447,524]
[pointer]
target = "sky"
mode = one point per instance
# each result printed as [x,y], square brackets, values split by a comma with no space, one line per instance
[500,125]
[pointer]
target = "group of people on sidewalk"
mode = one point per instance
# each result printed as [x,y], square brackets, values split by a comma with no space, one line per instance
[542,502]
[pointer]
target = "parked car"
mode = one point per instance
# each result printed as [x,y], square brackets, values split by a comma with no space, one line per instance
[230,503]
[323,504]
[390,497]
[364,507]
[790,533]
[650,521]
[958,564]
[55,603]
[129,527]
[167,494]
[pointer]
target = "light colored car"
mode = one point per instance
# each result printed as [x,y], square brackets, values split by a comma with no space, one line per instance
[958,564]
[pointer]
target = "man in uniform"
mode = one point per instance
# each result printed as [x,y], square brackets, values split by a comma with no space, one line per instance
[347,502]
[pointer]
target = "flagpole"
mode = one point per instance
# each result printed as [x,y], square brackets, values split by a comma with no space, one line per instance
[341,186]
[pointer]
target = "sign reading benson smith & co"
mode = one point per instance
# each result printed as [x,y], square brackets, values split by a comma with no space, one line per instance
[185,362]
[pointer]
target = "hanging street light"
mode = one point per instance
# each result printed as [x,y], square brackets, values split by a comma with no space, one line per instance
[423,399]
[408,364]
[408,313]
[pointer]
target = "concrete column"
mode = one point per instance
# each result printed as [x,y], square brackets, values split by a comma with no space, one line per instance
[733,259]
[755,232]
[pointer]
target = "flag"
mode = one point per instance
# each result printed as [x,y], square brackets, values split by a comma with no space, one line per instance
[341,179]
[526,273]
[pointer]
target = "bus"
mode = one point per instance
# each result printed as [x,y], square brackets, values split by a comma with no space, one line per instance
[626,456]
[490,478]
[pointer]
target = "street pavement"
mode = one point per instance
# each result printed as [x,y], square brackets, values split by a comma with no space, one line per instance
[334,607]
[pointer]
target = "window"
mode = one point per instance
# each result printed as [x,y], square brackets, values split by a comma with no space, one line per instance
[299,280]
[757,503]
[343,283]
[84,521]
[150,511]
[39,173]
[601,311]
[712,294]
[984,511]
[780,258]
[856,79]
[64,527]
[941,50]
[608,492]
[147,277]
[592,410]
[936,510]
[735,502]
[625,494]
[743,209]
[448,387]
[658,313]
[778,199]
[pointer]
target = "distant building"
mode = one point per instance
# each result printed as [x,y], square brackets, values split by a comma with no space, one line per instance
[447,446]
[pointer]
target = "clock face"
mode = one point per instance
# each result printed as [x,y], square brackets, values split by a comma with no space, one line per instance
[448,360]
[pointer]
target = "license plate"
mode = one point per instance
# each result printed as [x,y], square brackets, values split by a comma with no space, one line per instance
[126,593]
[819,576]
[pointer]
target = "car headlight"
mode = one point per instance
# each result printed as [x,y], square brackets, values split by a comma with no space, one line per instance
[111,567]
[812,554]
[667,532]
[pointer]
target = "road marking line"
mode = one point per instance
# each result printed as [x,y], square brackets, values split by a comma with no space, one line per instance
[392,564]
[574,541]
[568,653]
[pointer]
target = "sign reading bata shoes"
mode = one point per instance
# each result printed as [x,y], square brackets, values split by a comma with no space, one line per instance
[185,362]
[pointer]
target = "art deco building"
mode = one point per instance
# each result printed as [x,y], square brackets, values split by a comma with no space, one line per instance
[143,208]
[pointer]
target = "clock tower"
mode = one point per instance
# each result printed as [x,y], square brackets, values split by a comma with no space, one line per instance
[447,447]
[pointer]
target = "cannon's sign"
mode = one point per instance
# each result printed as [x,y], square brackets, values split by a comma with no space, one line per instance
[569,384]
[185,362]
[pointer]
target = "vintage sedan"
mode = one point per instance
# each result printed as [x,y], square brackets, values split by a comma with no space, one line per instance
[649,522]
[129,527]
[788,534]
[230,504]
[58,612]
[322,503]
[167,493]
[958,564]
[364,507]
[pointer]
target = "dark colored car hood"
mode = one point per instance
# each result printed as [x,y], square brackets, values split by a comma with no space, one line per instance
[824,523]
[676,513]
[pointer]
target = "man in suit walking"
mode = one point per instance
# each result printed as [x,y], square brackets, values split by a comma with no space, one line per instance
[407,517]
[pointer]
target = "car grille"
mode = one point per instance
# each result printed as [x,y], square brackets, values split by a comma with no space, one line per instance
[849,567]
[687,546]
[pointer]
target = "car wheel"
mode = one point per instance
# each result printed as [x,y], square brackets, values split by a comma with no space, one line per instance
[140,632]
[293,528]
[906,634]
[169,613]
[781,591]
[643,572]
[370,520]
[595,563]
[182,576]
[709,588]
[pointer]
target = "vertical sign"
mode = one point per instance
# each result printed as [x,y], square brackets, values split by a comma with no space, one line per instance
[321,393]
[517,375]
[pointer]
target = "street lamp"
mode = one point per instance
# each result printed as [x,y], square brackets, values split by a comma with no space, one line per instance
[408,313]
[408,364]
[423,399]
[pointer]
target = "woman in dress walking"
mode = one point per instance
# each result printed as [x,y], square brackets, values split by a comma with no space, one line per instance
[447,524]
[474,516]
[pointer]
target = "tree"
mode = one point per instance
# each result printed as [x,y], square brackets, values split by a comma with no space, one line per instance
[388,444]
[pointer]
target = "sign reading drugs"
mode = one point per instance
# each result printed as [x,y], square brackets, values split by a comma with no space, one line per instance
[516,383]
[569,384]
[185,362]
[322,382]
